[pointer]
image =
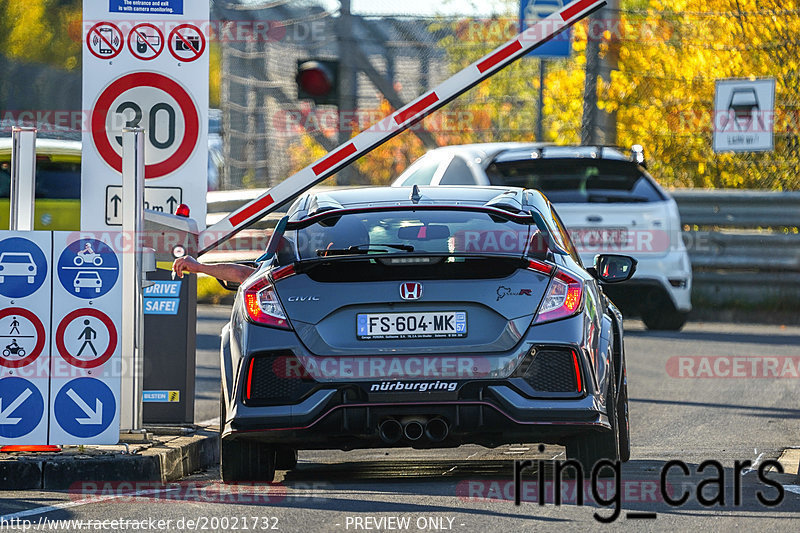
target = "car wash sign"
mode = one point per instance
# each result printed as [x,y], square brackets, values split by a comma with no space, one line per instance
[60,356]
[744,115]
[145,64]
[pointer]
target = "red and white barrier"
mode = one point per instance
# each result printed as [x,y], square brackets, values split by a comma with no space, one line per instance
[396,123]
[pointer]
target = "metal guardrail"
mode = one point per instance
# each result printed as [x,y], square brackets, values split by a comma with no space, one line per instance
[744,245]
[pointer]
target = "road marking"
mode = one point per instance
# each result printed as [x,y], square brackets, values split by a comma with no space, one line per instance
[78,503]
[755,465]
[792,488]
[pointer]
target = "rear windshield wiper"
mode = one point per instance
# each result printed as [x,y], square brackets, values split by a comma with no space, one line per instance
[363,248]
[615,198]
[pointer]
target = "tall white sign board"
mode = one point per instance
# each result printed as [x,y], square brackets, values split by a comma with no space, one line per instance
[744,115]
[145,64]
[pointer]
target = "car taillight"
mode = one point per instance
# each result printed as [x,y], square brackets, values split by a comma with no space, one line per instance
[563,298]
[262,304]
[540,267]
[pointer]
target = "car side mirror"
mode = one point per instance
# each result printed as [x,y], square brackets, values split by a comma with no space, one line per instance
[233,285]
[229,285]
[612,268]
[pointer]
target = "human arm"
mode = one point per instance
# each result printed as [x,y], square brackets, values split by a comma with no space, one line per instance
[225,271]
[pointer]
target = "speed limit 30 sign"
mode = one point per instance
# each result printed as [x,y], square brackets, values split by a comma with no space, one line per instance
[156,103]
[154,78]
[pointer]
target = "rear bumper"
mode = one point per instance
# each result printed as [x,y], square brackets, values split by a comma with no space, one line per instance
[504,402]
[326,420]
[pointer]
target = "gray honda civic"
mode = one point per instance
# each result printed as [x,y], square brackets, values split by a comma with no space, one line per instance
[424,318]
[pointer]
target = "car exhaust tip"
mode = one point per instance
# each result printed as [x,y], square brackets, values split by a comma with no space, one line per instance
[437,429]
[413,430]
[390,431]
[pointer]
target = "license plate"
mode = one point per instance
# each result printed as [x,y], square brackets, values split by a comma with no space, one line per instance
[592,237]
[430,325]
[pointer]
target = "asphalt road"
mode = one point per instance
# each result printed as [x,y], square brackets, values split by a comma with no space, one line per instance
[724,415]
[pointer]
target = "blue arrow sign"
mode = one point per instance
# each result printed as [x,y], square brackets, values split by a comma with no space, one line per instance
[23,267]
[85,407]
[88,268]
[21,407]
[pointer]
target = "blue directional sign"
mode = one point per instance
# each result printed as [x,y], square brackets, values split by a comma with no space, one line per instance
[531,11]
[85,407]
[21,407]
[88,268]
[23,267]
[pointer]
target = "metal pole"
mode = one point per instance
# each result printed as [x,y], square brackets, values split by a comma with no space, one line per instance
[132,326]
[589,124]
[347,83]
[23,179]
[540,115]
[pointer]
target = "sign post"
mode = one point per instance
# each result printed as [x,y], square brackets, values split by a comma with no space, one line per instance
[23,178]
[145,65]
[133,171]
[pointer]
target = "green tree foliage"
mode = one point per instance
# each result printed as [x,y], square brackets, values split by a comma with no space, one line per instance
[42,31]
[670,52]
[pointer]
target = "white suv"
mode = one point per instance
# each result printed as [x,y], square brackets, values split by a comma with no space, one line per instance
[608,202]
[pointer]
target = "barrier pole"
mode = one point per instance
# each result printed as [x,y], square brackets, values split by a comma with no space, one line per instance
[132,323]
[23,179]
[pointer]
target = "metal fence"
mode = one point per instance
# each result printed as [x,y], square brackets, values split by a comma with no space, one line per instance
[660,94]
[744,247]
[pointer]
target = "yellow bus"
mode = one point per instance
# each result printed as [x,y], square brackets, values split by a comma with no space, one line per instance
[58,184]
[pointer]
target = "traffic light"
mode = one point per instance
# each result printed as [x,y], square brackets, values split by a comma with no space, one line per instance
[318,80]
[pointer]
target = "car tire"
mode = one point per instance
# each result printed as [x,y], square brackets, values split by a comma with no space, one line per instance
[661,314]
[664,319]
[591,447]
[241,460]
[246,461]
[623,420]
[285,458]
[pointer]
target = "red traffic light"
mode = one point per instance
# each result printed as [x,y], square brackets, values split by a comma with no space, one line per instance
[317,81]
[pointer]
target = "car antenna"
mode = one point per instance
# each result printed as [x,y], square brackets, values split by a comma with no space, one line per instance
[415,194]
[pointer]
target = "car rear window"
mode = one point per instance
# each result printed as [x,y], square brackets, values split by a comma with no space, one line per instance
[419,232]
[569,180]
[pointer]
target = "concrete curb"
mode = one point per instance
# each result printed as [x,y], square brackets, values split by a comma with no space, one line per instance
[166,459]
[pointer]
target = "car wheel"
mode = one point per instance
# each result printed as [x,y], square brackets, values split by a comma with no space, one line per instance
[591,447]
[243,460]
[623,419]
[664,319]
[661,314]
[285,458]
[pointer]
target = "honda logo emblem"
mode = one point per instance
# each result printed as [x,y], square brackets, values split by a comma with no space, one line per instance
[411,291]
